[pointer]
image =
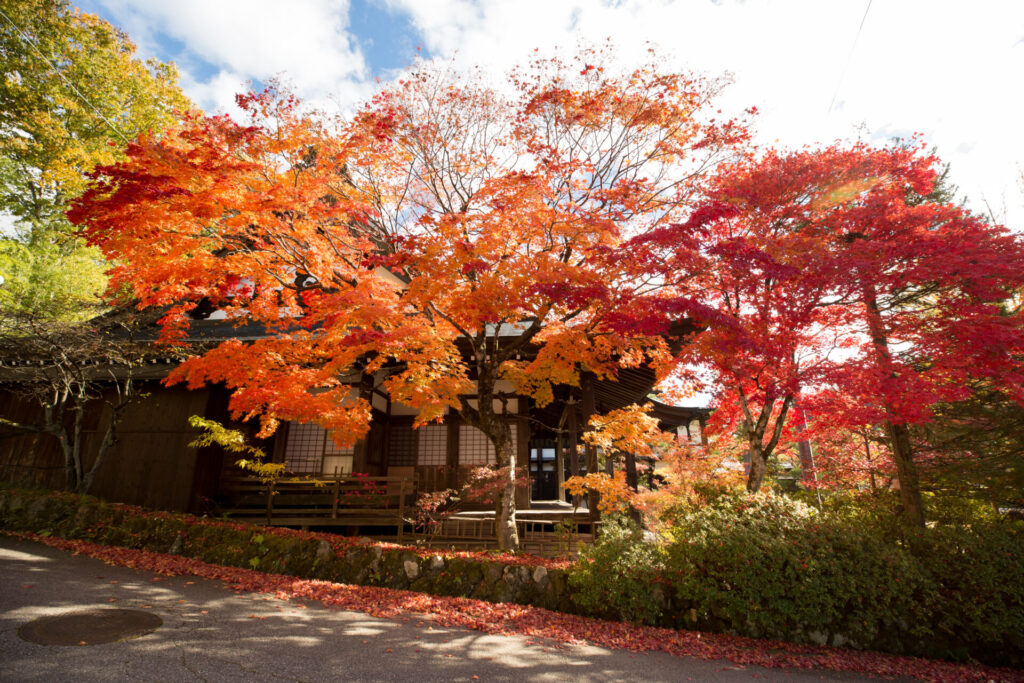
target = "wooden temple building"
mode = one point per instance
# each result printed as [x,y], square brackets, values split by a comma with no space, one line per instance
[152,463]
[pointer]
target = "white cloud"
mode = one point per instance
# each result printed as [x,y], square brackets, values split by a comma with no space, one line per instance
[947,69]
[244,40]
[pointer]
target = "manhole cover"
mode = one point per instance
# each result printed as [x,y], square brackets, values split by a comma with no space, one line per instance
[90,627]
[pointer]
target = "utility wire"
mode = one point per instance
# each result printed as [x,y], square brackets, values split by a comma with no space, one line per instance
[26,38]
[849,59]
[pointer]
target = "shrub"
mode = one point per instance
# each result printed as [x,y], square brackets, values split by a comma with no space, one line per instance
[767,566]
[977,601]
[949,510]
[620,576]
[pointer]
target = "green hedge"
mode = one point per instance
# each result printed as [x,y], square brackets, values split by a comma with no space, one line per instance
[770,567]
[762,566]
[620,577]
[525,580]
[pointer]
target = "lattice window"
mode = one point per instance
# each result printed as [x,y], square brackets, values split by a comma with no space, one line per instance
[309,449]
[304,448]
[433,445]
[403,445]
[331,449]
[476,449]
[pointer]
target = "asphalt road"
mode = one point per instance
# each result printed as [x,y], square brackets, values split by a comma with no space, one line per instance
[210,633]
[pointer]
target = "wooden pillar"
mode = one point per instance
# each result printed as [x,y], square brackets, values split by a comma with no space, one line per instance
[279,452]
[631,474]
[703,435]
[574,442]
[587,405]
[210,460]
[386,441]
[451,457]
[359,449]
[559,453]
[524,497]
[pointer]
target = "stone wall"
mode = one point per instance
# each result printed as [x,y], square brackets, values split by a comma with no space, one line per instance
[524,580]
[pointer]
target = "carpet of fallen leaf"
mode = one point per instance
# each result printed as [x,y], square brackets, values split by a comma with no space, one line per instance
[511,619]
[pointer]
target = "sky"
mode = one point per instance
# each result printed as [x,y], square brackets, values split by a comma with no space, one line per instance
[949,70]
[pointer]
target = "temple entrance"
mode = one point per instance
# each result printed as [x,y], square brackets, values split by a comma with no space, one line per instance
[542,469]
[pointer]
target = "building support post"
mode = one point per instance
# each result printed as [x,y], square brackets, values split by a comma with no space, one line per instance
[574,447]
[587,404]
[359,449]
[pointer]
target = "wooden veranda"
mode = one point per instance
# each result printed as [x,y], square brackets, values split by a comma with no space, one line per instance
[384,507]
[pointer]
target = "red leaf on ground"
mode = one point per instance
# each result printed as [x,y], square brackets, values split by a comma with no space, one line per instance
[535,622]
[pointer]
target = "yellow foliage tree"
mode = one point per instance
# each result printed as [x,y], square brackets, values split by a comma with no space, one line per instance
[72,94]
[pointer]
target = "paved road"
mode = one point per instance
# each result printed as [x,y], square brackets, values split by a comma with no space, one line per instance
[210,633]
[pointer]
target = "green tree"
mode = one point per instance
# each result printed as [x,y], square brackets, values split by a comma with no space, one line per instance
[72,94]
[975,449]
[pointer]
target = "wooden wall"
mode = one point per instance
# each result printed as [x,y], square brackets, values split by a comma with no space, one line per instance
[29,460]
[150,464]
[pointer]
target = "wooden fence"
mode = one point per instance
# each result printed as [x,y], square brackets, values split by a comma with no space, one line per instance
[332,501]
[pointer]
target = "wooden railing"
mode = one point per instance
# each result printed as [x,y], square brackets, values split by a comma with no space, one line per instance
[330,501]
[537,537]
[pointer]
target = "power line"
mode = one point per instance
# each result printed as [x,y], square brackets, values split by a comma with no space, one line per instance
[26,38]
[849,59]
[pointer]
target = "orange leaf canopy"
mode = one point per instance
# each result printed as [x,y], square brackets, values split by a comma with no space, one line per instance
[442,241]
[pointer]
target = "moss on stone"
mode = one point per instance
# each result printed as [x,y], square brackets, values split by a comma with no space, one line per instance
[252,547]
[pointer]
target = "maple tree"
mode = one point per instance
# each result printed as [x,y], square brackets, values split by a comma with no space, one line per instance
[849,458]
[839,272]
[924,290]
[502,216]
[764,277]
[630,435]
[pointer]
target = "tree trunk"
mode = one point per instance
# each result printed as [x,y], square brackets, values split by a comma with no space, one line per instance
[107,442]
[899,435]
[496,428]
[76,445]
[70,474]
[758,450]
[871,466]
[906,471]
[758,467]
[505,513]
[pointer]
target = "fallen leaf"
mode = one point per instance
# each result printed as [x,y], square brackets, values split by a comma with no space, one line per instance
[534,622]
